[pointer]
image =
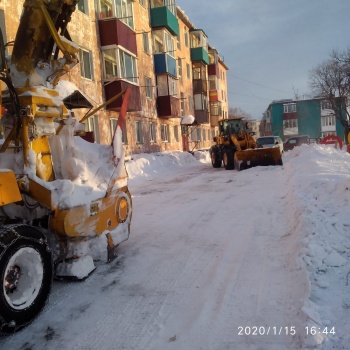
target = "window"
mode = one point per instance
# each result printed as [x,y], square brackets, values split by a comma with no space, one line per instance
[170,4]
[166,85]
[85,64]
[290,108]
[186,39]
[163,42]
[164,130]
[190,104]
[149,87]
[178,42]
[121,9]
[188,69]
[200,102]
[325,105]
[91,125]
[328,120]
[179,69]
[214,82]
[138,131]
[182,103]
[204,135]
[145,42]
[113,126]
[199,134]
[290,123]
[120,64]
[106,9]
[152,132]
[143,3]
[82,6]
[215,108]
[176,133]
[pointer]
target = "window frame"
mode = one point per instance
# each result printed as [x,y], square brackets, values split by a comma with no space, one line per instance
[120,65]
[138,132]
[120,9]
[164,132]
[82,63]
[85,5]
[149,87]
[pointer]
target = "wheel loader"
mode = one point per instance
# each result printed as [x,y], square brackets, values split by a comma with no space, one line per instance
[237,149]
[64,202]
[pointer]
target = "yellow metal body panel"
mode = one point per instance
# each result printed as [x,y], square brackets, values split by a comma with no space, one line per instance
[93,219]
[44,168]
[9,191]
[259,156]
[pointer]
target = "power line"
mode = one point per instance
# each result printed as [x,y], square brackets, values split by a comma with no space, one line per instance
[258,84]
[260,98]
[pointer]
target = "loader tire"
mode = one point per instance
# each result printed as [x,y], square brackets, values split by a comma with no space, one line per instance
[227,159]
[26,273]
[215,159]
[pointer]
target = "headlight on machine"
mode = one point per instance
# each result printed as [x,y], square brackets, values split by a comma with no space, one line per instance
[122,209]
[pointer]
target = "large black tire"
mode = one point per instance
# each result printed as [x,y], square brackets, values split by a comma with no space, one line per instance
[215,158]
[227,159]
[26,273]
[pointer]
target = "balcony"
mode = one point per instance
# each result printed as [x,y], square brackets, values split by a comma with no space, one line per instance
[164,63]
[202,116]
[115,87]
[200,86]
[114,32]
[215,109]
[168,107]
[162,17]
[213,68]
[200,54]
[214,95]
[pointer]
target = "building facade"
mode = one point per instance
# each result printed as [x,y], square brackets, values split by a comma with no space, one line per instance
[151,47]
[312,117]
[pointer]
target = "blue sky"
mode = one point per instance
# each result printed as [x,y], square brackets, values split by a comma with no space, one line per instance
[270,46]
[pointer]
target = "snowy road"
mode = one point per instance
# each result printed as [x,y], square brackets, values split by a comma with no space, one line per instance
[213,255]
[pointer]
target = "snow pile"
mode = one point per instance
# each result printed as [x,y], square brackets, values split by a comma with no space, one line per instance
[145,166]
[321,186]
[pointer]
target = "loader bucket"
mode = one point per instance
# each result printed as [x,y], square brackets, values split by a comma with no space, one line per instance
[254,157]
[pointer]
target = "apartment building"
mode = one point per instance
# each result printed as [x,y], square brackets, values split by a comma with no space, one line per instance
[314,117]
[151,47]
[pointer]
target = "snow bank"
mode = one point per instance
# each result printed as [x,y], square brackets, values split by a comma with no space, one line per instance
[320,177]
[145,166]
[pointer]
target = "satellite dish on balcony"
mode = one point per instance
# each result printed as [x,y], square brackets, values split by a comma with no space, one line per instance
[187,119]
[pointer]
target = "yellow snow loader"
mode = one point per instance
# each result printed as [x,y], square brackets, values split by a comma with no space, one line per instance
[237,149]
[64,202]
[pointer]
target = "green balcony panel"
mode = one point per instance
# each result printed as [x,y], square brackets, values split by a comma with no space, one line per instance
[162,17]
[200,54]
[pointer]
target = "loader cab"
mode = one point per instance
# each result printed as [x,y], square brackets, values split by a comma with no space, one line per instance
[231,126]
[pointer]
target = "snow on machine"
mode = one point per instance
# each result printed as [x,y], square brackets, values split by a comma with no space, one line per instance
[64,202]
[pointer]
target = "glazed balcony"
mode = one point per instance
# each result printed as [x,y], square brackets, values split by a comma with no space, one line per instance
[201,112]
[199,54]
[163,17]
[199,46]
[214,95]
[115,87]
[215,109]
[200,86]
[165,64]
[213,67]
[114,32]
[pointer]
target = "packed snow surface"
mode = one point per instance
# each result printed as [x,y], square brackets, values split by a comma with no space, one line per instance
[216,259]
